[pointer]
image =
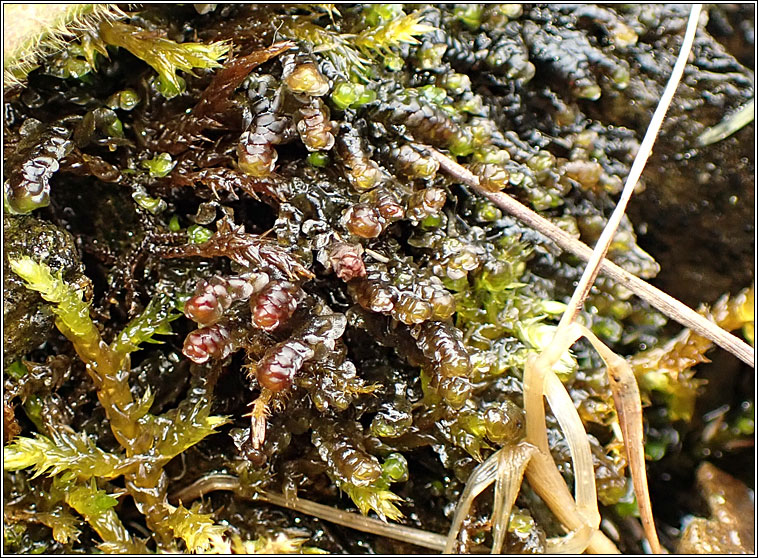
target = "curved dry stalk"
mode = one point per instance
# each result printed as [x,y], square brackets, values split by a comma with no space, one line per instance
[625,391]
[211,483]
[626,399]
[506,469]
[424,539]
[481,477]
[646,147]
[510,472]
[542,472]
[663,302]
[543,475]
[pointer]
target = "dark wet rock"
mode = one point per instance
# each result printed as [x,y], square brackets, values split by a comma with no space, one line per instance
[26,320]
[731,527]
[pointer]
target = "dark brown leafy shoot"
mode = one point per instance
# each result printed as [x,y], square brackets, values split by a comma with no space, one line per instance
[249,250]
[215,98]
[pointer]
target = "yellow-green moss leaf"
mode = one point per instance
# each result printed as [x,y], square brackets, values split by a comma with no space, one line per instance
[68,452]
[165,56]
[64,525]
[182,428]
[370,498]
[389,35]
[198,531]
[96,506]
[281,543]
[72,312]
[154,320]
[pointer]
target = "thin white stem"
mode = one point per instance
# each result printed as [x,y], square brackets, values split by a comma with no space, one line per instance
[663,302]
[593,266]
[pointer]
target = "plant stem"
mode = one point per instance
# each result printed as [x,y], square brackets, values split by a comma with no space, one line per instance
[663,302]
[609,231]
[355,521]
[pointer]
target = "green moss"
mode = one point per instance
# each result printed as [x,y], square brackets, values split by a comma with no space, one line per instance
[64,525]
[42,29]
[378,14]
[470,15]
[125,99]
[198,234]
[389,35]
[318,159]
[338,47]
[160,165]
[165,56]
[669,368]
[148,203]
[16,369]
[72,452]
[154,320]
[148,441]
[72,313]
[96,506]
[374,498]
[173,224]
[407,412]
[353,95]
[199,532]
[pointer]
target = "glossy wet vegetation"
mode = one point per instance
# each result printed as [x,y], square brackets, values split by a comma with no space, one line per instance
[251,278]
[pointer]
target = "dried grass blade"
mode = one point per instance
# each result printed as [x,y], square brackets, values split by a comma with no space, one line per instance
[593,266]
[663,302]
[729,125]
[626,398]
[510,472]
[481,478]
[542,471]
[211,483]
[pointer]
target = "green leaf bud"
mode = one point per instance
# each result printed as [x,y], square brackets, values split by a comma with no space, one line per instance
[366,96]
[345,94]
[471,104]
[511,11]
[456,83]
[198,234]
[462,146]
[318,159]
[488,212]
[16,369]
[552,307]
[376,14]
[591,92]
[173,224]
[542,161]
[395,467]
[170,88]
[393,62]
[433,93]
[470,15]
[126,99]
[430,57]
[160,165]
[148,203]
